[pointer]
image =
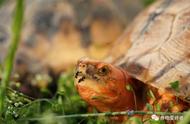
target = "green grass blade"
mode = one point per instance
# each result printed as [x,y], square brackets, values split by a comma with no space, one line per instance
[186,119]
[15,37]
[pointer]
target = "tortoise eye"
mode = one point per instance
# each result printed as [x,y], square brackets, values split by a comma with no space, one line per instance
[103,71]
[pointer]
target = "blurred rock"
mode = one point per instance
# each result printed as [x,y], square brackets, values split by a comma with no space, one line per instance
[52,36]
[105,27]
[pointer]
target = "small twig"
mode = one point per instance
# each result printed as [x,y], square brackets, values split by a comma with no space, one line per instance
[135,99]
[127,113]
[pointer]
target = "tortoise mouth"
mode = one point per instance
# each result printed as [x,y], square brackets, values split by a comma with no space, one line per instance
[80,76]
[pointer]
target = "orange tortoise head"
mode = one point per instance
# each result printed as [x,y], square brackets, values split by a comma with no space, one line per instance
[103,86]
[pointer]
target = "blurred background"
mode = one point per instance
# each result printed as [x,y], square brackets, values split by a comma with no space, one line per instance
[55,34]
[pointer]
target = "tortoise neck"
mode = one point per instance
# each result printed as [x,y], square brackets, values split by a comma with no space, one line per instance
[137,88]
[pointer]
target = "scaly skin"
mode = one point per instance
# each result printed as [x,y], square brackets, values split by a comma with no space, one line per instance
[103,86]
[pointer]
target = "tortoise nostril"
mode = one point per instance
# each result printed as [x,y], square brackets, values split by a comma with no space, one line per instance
[82,65]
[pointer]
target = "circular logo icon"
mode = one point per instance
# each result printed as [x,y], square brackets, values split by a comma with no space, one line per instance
[155,117]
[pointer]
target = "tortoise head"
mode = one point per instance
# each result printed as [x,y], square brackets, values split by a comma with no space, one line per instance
[103,85]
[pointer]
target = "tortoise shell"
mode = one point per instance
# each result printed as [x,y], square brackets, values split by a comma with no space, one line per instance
[156,47]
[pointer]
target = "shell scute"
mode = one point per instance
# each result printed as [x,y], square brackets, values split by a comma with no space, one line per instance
[163,49]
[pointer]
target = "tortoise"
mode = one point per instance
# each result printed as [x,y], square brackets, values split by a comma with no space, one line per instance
[152,54]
